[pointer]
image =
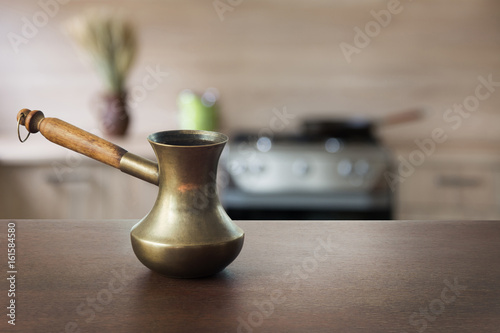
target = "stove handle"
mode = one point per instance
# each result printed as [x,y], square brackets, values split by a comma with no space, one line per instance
[458,181]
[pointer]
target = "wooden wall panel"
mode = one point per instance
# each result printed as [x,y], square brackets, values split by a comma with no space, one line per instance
[265,55]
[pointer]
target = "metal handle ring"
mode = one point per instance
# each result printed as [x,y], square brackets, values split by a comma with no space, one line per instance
[18,125]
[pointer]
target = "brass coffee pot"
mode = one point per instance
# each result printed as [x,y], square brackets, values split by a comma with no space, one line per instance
[187,233]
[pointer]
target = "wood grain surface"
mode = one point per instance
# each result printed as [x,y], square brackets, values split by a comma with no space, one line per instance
[83,142]
[82,276]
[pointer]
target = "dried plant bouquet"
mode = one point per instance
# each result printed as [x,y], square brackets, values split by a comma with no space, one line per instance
[110,41]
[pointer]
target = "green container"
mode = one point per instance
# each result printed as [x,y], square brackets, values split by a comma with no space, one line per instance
[198,113]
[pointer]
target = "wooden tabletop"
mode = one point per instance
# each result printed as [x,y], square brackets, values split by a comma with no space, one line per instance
[387,276]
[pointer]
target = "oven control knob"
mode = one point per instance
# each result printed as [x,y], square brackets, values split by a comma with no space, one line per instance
[236,168]
[333,145]
[344,167]
[256,167]
[361,167]
[300,168]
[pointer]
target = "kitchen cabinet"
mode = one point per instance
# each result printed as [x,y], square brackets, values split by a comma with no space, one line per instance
[87,191]
[40,180]
[465,186]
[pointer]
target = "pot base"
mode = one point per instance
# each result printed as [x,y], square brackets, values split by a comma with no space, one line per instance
[193,261]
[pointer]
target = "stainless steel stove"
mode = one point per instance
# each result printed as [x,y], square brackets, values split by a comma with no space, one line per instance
[312,175]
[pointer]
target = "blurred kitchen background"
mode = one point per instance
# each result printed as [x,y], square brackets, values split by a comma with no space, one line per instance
[308,91]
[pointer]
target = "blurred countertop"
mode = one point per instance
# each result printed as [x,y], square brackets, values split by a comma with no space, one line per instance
[38,150]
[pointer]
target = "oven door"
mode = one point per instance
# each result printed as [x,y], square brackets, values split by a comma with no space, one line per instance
[306,180]
[335,206]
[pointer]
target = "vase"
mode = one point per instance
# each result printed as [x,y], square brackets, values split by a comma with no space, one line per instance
[113,114]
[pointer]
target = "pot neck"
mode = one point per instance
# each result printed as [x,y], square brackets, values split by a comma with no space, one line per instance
[185,167]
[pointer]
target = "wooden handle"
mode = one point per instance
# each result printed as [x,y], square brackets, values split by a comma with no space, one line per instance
[403,117]
[71,137]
